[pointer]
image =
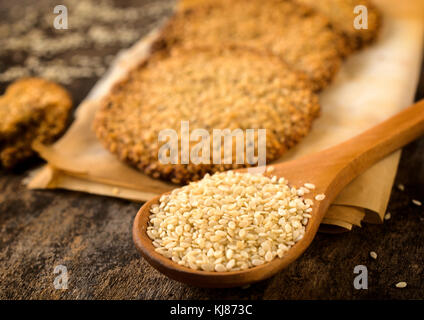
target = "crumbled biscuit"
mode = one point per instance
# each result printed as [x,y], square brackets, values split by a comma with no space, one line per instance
[31,110]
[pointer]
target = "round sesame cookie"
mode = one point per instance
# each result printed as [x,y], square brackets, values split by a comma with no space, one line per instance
[342,15]
[211,89]
[294,32]
[31,110]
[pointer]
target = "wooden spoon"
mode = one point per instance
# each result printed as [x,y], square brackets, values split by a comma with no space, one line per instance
[330,170]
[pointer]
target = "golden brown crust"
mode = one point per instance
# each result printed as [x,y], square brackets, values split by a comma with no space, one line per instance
[31,109]
[296,33]
[341,15]
[212,89]
[205,69]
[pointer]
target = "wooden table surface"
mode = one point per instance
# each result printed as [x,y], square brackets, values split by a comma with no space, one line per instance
[91,236]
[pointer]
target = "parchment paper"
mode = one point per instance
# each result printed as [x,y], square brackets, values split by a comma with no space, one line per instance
[371,86]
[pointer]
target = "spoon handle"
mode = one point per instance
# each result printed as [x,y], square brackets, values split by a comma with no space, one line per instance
[354,156]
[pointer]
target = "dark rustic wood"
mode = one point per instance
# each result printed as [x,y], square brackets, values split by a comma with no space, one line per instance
[91,235]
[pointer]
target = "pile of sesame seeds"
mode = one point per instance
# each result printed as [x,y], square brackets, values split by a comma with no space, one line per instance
[229,221]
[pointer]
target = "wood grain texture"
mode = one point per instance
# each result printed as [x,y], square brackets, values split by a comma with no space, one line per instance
[91,235]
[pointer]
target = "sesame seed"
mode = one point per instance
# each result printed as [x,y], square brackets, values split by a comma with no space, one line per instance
[401,284]
[220,268]
[387,216]
[310,186]
[401,187]
[416,202]
[320,197]
[373,255]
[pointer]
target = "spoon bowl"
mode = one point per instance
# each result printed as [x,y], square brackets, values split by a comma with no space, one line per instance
[222,279]
[329,170]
